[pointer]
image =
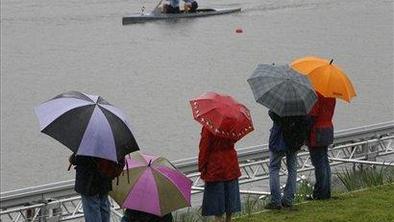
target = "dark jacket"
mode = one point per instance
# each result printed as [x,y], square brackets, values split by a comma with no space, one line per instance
[139,216]
[217,158]
[288,133]
[88,180]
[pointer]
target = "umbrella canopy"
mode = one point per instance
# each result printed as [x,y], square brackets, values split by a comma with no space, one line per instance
[282,90]
[327,78]
[222,115]
[88,125]
[152,185]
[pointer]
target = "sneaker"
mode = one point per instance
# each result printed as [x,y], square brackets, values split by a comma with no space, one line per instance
[286,205]
[272,206]
[309,198]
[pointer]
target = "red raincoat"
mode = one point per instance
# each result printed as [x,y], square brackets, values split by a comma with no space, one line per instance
[322,132]
[217,159]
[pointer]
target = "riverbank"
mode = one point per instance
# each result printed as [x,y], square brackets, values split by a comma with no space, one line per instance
[368,205]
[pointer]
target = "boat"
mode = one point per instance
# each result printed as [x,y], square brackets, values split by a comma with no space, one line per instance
[157,15]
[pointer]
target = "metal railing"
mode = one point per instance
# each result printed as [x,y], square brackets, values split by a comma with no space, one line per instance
[59,202]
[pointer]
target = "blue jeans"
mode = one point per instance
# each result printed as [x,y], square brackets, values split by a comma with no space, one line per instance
[96,208]
[319,159]
[291,184]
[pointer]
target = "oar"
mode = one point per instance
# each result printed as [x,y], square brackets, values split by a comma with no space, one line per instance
[156,9]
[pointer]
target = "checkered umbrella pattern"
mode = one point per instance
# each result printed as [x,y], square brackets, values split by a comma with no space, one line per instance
[282,90]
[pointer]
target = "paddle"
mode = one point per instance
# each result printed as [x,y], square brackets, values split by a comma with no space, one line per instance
[156,10]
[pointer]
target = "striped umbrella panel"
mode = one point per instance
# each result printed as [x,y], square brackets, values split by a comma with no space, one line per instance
[156,188]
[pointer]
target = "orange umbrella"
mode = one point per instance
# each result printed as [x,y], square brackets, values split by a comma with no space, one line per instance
[328,79]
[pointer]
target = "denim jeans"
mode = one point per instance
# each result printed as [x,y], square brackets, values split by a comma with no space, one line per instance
[124,219]
[96,208]
[319,158]
[291,183]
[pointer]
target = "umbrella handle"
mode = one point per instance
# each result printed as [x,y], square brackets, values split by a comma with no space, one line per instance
[69,167]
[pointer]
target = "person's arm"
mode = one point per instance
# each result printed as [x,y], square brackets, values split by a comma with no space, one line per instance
[204,149]
[315,111]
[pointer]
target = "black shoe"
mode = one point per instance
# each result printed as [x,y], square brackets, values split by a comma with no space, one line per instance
[309,198]
[286,205]
[272,206]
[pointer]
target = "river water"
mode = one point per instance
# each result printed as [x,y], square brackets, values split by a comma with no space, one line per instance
[151,70]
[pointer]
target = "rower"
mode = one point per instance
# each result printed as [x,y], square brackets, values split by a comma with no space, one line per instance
[172,6]
[190,6]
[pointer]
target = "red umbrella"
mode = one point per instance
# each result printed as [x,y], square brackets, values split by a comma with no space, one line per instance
[222,115]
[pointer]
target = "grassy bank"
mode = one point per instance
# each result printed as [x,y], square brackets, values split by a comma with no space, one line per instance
[369,205]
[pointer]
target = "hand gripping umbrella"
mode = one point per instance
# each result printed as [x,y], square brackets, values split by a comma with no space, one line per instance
[282,90]
[222,115]
[151,184]
[88,125]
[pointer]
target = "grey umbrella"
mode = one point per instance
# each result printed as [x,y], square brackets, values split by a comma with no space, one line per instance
[282,89]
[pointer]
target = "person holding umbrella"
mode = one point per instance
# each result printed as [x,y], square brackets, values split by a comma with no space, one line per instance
[321,136]
[330,82]
[93,181]
[99,136]
[289,96]
[150,188]
[140,216]
[224,121]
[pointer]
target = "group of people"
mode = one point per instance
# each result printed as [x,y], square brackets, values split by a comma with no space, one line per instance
[172,6]
[317,132]
[219,168]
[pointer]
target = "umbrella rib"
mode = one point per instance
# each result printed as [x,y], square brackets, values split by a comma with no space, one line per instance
[130,135]
[136,181]
[159,174]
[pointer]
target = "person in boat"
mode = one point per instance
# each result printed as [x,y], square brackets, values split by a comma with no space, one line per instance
[172,6]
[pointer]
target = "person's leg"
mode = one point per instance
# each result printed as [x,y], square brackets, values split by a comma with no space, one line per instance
[319,159]
[91,208]
[232,198]
[219,218]
[124,219]
[274,167]
[327,186]
[105,208]
[228,217]
[291,184]
[213,199]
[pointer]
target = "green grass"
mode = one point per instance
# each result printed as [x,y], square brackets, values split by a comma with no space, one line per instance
[369,205]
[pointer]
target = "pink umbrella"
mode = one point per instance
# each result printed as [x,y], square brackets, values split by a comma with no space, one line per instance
[152,184]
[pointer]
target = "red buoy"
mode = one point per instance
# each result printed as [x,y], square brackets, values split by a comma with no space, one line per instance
[238,30]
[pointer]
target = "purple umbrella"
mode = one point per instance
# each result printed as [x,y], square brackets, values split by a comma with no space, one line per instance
[153,186]
[88,125]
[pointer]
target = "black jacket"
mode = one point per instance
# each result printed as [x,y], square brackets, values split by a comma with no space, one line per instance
[88,180]
[139,216]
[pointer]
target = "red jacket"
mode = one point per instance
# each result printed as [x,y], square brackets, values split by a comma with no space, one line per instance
[217,159]
[322,132]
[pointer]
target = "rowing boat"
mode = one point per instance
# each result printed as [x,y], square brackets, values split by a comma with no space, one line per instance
[155,15]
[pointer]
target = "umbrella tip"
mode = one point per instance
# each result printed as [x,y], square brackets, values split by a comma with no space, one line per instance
[331,61]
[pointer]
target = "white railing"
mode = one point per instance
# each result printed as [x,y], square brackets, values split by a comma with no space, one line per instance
[59,202]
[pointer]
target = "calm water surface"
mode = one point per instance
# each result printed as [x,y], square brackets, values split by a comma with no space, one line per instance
[151,70]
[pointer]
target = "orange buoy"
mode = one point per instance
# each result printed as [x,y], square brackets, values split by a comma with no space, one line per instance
[238,30]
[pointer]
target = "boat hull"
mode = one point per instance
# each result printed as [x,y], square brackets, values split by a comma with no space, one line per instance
[162,16]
